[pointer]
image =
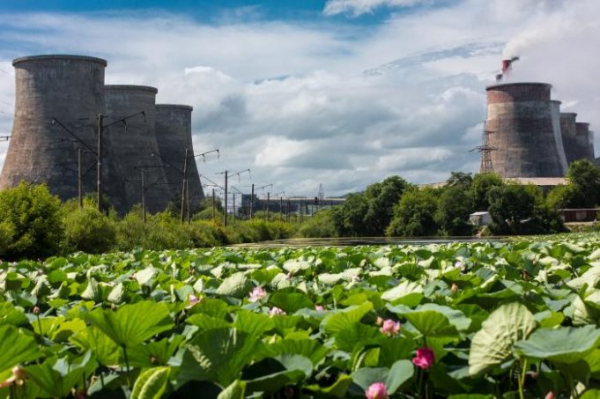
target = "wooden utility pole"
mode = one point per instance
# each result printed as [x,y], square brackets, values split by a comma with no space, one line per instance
[79,177]
[144,195]
[251,208]
[99,157]
[184,186]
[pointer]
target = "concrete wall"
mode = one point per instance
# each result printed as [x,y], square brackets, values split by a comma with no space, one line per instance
[69,88]
[130,147]
[174,135]
[520,118]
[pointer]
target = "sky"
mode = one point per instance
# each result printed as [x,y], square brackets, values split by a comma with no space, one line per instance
[341,93]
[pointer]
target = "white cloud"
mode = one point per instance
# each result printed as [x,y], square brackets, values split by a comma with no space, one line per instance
[359,7]
[303,104]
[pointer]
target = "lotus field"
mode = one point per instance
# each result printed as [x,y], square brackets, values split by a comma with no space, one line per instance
[514,319]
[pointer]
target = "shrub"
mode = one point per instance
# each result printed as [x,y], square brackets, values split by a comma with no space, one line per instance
[30,222]
[319,225]
[89,230]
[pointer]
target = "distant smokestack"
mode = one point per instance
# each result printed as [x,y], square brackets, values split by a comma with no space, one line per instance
[506,68]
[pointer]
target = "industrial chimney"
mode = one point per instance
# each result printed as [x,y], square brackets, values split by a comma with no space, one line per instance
[585,141]
[174,136]
[130,147]
[520,119]
[68,88]
[555,112]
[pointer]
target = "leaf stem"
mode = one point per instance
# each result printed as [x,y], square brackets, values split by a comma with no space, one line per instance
[522,379]
[126,365]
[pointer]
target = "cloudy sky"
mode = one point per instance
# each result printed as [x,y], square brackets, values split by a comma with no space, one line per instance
[335,92]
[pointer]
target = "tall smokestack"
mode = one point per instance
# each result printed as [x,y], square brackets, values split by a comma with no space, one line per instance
[70,89]
[555,113]
[585,142]
[568,131]
[522,131]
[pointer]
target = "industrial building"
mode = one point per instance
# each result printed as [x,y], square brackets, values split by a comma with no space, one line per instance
[62,106]
[526,135]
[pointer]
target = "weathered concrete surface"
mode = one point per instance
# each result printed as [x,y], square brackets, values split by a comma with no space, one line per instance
[174,135]
[555,111]
[568,132]
[69,88]
[520,119]
[130,147]
[585,141]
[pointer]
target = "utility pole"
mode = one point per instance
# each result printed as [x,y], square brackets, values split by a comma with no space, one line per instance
[214,205]
[226,182]
[251,207]
[99,156]
[183,188]
[144,195]
[79,178]
[268,204]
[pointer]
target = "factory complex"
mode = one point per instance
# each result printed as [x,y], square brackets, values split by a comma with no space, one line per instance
[78,135]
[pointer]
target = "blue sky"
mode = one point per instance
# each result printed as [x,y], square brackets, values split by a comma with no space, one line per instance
[338,92]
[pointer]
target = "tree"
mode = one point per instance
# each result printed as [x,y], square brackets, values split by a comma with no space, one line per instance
[460,179]
[585,178]
[482,184]
[452,216]
[348,218]
[414,215]
[517,209]
[31,219]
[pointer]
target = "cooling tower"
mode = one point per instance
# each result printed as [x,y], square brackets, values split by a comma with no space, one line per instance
[70,89]
[174,135]
[555,112]
[522,133]
[130,147]
[568,132]
[585,141]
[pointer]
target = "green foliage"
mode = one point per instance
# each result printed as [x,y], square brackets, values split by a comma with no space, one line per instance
[368,214]
[30,222]
[319,225]
[414,216]
[482,184]
[89,230]
[485,313]
[455,206]
[585,177]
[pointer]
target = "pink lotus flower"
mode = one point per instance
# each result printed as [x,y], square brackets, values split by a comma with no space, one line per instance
[257,294]
[275,311]
[424,358]
[319,308]
[193,300]
[390,327]
[549,395]
[377,390]
[459,264]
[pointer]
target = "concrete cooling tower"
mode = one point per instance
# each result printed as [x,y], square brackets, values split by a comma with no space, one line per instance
[555,112]
[520,119]
[568,130]
[70,89]
[585,141]
[174,136]
[130,147]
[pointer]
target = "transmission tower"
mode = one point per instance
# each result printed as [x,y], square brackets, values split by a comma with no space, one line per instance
[486,152]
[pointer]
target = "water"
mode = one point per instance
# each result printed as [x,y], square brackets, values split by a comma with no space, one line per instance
[353,241]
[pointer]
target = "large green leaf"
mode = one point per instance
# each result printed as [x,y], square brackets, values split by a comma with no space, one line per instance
[433,320]
[272,374]
[393,378]
[132,324]
[493,344]
[218,355]
[561,345]
[235,390]
[11,315]
[16,347]
[105,349]
[151,383]
[236,285]
[56,378]
[343,319]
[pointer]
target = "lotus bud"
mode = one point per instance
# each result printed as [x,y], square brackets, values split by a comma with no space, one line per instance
[377,390]
[454,288]
[36,310]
